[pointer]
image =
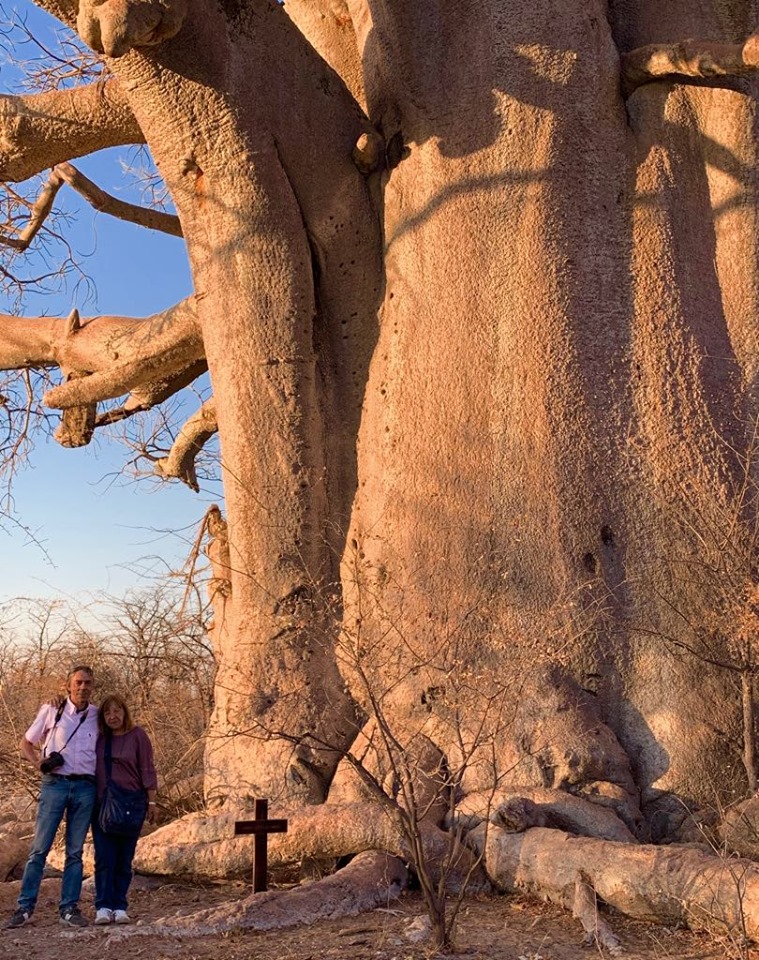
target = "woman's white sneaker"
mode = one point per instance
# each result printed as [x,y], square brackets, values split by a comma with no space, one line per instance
[103,916]
[121,916]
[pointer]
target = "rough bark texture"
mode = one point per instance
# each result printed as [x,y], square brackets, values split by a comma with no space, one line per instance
[242,183]
[593,263]
[480,409]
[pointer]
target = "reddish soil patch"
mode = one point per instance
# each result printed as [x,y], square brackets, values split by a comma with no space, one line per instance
[490,928]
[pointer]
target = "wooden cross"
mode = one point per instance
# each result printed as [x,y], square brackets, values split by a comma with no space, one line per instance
[261,827]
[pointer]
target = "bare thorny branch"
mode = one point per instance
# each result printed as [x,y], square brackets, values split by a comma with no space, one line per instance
[46,66]
[67,173]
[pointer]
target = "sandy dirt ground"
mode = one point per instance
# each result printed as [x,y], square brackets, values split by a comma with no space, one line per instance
[490,928]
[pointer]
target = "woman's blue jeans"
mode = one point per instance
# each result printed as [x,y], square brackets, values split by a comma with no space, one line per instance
[113,867]
[73,799]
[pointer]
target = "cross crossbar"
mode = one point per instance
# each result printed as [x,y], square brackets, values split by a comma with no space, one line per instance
[260,828]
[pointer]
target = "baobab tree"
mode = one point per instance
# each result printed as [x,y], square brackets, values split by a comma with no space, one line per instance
[476,288]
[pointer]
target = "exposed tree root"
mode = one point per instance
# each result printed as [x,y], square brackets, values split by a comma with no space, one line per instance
[667,884]
[207,845]
[672,884]
[585,909]
[370,880]
[701,59]
[739,829]
[660,883]
[517,809]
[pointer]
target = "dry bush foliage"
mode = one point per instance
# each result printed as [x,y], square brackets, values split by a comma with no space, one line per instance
[151,647]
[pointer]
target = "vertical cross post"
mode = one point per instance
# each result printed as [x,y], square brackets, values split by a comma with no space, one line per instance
[260,827]
[260,849]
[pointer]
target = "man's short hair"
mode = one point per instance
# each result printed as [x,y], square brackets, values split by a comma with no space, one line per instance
[82,668]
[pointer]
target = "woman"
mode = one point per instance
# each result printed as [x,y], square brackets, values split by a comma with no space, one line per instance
[130,752]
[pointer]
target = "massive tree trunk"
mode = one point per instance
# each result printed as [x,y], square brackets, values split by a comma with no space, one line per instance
[284,248]
[484,368]
[259,216]
[568,345]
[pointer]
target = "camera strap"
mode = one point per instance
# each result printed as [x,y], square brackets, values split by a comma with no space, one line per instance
[58,715]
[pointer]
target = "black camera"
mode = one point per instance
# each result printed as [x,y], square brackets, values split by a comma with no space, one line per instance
[52,761]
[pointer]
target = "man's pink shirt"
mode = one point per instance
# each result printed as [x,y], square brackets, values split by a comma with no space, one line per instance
[79,755]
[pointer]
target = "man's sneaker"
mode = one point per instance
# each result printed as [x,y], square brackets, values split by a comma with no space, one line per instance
[73,918]
[19,918]
[121,916]
[103,916]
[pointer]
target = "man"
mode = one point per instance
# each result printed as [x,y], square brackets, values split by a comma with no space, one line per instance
[67,736]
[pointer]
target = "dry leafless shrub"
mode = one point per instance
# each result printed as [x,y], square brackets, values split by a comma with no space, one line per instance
[150,646]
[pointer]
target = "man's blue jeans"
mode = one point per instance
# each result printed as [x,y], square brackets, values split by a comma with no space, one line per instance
[58,797]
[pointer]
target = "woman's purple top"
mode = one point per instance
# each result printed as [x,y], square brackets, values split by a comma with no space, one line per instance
[132,755]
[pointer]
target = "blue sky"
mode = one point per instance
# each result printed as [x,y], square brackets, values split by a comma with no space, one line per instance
[100,531]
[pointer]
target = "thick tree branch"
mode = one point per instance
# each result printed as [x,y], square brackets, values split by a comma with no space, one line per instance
[703,59]
[159,347]
[92,344]
[43,129]
[150,394]
[195,433]
[105,357]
